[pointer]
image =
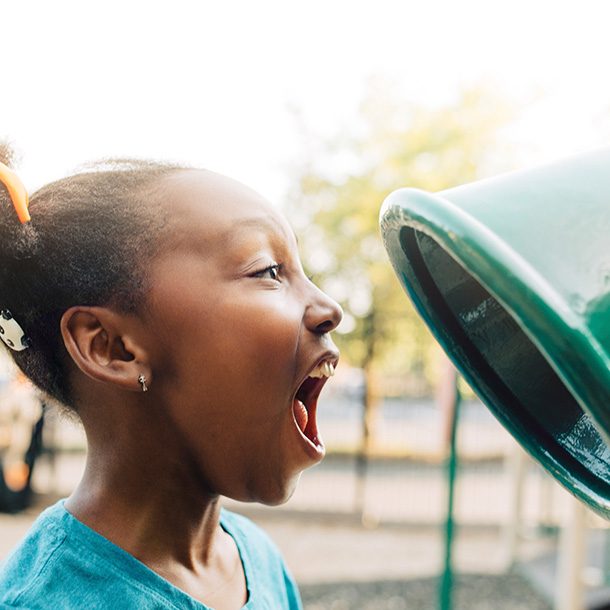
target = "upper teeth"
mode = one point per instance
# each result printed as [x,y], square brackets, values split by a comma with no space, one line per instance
[324,369]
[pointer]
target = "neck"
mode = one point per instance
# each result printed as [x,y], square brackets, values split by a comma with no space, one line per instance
[141,496]
[146,493]
[174,533]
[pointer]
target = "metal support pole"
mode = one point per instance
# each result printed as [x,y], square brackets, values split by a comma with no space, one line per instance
[451,410]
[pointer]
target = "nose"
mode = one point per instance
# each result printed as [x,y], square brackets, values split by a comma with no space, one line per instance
[324,314]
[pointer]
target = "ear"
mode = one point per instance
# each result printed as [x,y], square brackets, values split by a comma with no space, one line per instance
[103,345]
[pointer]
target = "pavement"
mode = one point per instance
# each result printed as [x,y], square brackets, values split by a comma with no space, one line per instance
[343,561]
[340,564]
[331,543]
[328,547]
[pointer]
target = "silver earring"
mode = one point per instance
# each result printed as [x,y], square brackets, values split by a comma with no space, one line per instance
[142,380]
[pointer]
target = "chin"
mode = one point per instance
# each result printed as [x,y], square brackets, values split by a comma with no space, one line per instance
[280,494]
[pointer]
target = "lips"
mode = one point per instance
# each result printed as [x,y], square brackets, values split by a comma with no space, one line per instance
[306,402]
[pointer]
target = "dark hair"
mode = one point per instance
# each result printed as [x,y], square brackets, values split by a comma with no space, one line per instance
[88,243]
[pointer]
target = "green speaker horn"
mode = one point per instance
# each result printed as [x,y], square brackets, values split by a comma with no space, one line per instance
[512,275]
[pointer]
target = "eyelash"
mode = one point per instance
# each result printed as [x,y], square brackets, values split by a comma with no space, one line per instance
[273,270]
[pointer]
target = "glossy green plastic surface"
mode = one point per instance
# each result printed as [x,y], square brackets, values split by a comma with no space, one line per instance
[512,275]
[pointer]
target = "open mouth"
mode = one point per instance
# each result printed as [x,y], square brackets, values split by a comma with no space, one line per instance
[305,402]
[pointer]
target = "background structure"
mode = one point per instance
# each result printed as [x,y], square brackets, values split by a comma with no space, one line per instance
[325,107]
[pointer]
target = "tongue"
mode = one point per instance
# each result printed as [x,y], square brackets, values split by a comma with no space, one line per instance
[300,414]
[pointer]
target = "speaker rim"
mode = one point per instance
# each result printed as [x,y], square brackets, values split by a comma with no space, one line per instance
[578,359]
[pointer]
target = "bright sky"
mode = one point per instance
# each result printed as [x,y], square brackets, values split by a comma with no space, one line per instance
[212,83]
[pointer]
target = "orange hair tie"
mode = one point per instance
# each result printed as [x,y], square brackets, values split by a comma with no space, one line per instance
[17,192]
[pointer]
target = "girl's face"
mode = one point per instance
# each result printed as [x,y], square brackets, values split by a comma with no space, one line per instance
[236,330]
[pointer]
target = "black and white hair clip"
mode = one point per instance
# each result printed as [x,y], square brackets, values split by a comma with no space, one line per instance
[11,333]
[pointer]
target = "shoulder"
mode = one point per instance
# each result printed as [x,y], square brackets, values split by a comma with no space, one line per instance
[61,563]
[26,564]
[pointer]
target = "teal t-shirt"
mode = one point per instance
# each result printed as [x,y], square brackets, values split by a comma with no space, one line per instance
[62,563]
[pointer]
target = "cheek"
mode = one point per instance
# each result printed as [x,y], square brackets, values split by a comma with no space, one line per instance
[261,330]
[234,347]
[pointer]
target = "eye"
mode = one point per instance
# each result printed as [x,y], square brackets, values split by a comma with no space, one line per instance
[272,272]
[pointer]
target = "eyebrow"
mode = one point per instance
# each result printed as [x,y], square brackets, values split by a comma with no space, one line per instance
[256,221]
[260,222]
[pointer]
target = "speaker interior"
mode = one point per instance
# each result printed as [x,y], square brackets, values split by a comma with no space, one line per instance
[506,368]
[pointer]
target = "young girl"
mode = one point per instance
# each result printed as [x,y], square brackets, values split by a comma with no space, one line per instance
[168,309]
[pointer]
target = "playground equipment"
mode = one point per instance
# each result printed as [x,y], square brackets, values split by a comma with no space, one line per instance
[512,275]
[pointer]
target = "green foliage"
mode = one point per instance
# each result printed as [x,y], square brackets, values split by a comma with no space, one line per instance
[395,144]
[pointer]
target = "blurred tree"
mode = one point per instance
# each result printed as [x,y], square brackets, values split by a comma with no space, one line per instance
[335,209]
